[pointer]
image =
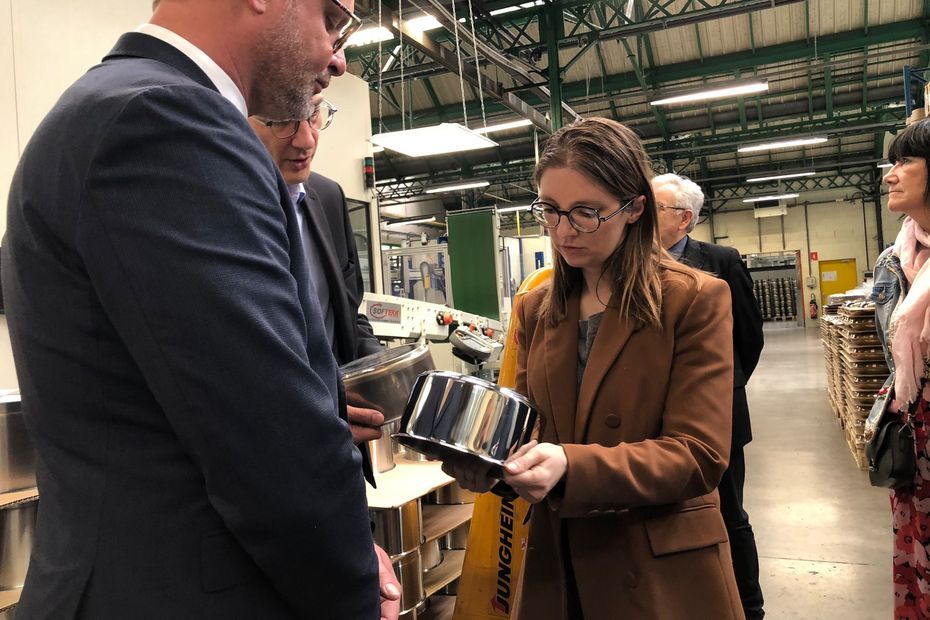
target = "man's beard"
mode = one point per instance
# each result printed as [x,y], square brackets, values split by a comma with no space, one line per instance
[283,82]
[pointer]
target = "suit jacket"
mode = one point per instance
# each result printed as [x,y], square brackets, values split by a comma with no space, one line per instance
[647,438]
[175,376]
[326,204]
[331,233]
[726,264]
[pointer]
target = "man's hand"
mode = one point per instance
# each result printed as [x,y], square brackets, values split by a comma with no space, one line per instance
[534,469]
[390,588]
[365,424]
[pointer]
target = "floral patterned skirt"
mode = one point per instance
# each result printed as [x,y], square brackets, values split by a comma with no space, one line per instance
[911,522]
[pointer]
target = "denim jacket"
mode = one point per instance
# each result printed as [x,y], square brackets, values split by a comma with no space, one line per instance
[889,288]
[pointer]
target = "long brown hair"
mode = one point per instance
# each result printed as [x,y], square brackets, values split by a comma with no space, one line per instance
[612,156]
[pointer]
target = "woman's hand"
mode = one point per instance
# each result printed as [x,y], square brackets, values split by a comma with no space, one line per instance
[535,469]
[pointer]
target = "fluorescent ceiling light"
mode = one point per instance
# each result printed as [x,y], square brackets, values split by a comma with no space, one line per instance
[458,186]
[512,209]
[775,177]
[784,144]
[366,36]
[886,165]
[423,23]
[511,9]
[523,122]
[415,220]
[720,91]
[434,140]
[779,197]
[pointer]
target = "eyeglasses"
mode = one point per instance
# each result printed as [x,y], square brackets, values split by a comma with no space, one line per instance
[321,118]
[662,207]
[582,219]
[347,26]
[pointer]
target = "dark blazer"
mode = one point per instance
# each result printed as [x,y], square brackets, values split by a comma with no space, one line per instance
[326,204]
[175,376]
[725,263]
[647,438]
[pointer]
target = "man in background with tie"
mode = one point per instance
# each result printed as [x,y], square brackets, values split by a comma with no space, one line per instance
[327,238]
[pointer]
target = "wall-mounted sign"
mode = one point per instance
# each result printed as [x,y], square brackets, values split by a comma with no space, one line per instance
[815,256]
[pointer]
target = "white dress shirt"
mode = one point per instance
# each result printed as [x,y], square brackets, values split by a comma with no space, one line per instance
[220,78]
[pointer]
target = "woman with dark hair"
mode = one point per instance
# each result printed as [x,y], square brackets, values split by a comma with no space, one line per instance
[628,356]
[902,310]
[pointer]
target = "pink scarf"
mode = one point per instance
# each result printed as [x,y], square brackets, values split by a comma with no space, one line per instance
[910,323]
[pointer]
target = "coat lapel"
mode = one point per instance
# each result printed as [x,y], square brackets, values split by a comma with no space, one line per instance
[612,336]
[562,370]
[694,255]
[316,224]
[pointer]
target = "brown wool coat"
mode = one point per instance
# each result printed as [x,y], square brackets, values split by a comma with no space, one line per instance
[647,440]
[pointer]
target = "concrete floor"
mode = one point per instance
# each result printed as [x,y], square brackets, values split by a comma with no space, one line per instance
[824,534]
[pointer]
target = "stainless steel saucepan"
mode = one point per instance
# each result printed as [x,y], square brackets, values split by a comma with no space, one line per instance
[450,415]
[383,380]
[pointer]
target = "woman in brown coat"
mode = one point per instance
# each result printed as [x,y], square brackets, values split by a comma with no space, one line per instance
[628,356]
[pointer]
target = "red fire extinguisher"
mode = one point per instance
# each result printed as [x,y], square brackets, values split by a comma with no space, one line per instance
[813,307]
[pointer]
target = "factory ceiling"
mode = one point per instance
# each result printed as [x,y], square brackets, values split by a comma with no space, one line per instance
[834,68]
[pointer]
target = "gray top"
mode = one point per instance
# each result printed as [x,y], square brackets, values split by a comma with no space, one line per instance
[587,330]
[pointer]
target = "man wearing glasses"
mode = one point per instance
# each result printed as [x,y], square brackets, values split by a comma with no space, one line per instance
[329,243]
[679,202]
[176,375]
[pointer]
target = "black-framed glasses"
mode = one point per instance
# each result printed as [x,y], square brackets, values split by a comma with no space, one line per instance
[320,119]
[346,26]
[583,219]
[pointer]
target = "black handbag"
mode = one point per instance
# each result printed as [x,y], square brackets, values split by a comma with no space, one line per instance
[891,453]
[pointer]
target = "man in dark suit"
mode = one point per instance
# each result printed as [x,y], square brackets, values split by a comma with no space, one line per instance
[329,243]
[679,202]
[176,378]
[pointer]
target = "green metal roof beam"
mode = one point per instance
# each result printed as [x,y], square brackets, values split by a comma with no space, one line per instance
[659,116]
[726,8]
[494,108]
[799,50]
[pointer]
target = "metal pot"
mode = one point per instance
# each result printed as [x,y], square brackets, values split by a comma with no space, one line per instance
[409,571]
[17,525]
[17,457]
[398,530]
[430,555]
[383,380]
[454,416]
[457,538]
[381,450]
[453,494]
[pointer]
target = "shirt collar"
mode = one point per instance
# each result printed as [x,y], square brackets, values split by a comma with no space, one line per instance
[297,192]
[679,248]
[220,78]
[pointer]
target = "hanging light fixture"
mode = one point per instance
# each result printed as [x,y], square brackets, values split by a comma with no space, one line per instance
[715,91]
[782,144]
[523,122]
[457,187]
[433,140]
[777,177]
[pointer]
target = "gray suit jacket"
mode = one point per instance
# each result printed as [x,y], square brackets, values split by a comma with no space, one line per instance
[332,232]
[175,375]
